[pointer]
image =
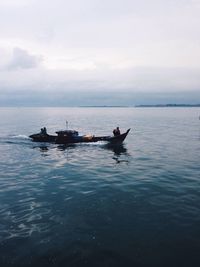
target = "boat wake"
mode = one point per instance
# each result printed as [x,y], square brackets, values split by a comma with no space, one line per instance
[14,139]
[20,136]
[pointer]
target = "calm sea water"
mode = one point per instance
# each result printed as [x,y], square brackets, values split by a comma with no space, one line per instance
[92,205]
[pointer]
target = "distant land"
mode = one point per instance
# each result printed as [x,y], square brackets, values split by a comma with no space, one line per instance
[141,106]
[168,105]
[105,106]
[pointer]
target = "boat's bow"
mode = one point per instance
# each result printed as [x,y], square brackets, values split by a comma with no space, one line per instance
[119,138]
[113,139]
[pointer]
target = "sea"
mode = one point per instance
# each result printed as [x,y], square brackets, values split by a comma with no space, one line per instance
[137,204]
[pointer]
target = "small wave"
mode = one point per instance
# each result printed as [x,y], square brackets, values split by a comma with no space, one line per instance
[20,136]
[14,139]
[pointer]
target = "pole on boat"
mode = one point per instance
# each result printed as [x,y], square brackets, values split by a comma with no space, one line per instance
[67,125]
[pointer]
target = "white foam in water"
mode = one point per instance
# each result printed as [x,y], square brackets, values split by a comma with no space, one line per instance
[21,136]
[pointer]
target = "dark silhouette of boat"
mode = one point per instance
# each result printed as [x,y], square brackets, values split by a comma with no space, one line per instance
[71,137]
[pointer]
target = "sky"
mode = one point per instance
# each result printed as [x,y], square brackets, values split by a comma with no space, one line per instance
[99,52]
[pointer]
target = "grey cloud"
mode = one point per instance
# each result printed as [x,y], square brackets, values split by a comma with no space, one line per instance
[21,59]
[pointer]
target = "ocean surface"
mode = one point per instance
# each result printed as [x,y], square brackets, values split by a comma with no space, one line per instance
[93,205]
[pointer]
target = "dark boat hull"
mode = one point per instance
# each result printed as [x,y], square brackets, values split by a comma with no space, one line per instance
[113,139]
[43,138]
[77,139]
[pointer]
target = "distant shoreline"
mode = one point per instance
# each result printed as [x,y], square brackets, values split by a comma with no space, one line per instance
[168,105]
[105,106]
[109,106]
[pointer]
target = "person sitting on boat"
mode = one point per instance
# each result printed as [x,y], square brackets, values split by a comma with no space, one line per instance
[116,131]
[43,130]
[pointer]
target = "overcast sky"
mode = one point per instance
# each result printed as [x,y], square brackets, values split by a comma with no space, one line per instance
[138,47]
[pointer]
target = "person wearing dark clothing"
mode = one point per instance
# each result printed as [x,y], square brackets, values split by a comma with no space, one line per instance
[116,131]
[43,130]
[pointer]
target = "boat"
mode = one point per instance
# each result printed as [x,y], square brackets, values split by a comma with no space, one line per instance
[72,137]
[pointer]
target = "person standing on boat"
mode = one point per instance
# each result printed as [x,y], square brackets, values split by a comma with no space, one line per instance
[116,131]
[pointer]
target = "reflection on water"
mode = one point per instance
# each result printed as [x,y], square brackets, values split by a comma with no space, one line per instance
[118,149]
[63,147]
[43,148]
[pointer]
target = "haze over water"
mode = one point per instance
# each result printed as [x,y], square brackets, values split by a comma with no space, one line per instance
[94,205]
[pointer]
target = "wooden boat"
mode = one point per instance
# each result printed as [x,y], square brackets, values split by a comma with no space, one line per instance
[71,137]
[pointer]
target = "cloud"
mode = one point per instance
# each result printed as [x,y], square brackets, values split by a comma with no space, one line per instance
[21,59]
